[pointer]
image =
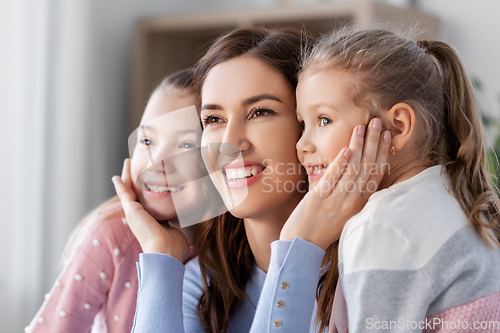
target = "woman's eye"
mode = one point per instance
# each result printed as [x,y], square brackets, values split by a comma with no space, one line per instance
[187,145]
[260,112]
[210,120]
[146,141]
[323,121]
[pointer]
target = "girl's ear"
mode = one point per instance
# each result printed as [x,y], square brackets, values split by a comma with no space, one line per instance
[401,121]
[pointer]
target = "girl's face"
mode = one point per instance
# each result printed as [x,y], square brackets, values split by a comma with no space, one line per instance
[249,109]
[164,159]
[328,115]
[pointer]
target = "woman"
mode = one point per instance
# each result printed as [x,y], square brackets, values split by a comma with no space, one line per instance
[247,82]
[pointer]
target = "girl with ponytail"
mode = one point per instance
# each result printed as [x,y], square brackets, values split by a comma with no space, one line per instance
[423,254]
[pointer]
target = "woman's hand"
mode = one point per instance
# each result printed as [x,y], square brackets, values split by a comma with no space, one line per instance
[152,236]
[343,191]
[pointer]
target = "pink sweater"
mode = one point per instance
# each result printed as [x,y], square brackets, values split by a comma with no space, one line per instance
[98,281]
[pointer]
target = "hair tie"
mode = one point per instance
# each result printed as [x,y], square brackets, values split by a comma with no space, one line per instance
[424,44]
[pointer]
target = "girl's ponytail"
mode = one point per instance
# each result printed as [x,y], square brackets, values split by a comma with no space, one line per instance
[463,150]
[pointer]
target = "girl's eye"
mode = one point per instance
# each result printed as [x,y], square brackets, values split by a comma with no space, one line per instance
[187,145]
[146,141]
[260,112]
[211,120]
[323,121]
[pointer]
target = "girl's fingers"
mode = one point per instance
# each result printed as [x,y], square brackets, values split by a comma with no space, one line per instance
[381,166]
[140,222]
[333,173]
[126,176]
[369,155]
[123,191]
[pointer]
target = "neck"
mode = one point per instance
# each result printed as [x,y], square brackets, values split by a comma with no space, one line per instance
[402,171]
[261,231]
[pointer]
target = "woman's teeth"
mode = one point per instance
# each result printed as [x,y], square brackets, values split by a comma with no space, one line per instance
[242,173]
[163,189]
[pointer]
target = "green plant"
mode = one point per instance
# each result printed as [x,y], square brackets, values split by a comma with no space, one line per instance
[492,129]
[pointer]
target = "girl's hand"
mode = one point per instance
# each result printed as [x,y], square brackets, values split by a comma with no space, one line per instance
[152,236]
[344,189]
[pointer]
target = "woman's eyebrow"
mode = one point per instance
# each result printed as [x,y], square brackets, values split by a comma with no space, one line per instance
[210,107]
[259,98]
[246,102]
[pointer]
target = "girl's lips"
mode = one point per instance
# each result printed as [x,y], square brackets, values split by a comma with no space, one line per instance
[157,194]
[161,191]
[315,171]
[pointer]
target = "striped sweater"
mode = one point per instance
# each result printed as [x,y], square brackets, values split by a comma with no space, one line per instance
[411,261]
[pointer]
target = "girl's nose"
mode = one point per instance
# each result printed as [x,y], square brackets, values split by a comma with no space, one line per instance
[163,166]
[305,144]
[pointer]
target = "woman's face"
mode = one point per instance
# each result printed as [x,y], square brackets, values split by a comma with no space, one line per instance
[249,109]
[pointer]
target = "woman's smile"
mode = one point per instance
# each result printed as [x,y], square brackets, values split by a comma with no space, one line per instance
[253,126]
[242,173]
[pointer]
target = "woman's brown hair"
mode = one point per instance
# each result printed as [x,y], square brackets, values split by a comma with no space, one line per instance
[387,69]
[225,257]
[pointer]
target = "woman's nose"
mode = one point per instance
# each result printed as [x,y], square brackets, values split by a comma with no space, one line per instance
[235,140]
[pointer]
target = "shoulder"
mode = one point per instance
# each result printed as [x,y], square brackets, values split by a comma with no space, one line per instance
[406,224]
[421,204]
[110,226]
[107,237]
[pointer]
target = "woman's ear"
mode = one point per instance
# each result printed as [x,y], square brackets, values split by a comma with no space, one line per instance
[401,121]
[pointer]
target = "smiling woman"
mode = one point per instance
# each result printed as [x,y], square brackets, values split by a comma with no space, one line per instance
[248,115]
[247,82]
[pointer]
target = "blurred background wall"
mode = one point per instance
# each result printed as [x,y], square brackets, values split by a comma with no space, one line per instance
[65,103]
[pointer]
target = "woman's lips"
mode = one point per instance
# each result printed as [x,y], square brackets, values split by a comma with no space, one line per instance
[242,173]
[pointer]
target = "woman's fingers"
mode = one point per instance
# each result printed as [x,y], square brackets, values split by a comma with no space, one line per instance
[370,150]
[347,182]
[381,167]
[333,173]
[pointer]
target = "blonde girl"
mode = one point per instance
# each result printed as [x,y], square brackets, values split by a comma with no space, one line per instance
[423,254]
[98,284]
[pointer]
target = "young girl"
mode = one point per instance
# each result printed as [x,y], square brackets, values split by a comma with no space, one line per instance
[423,253]
[99,281]
[247,81]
